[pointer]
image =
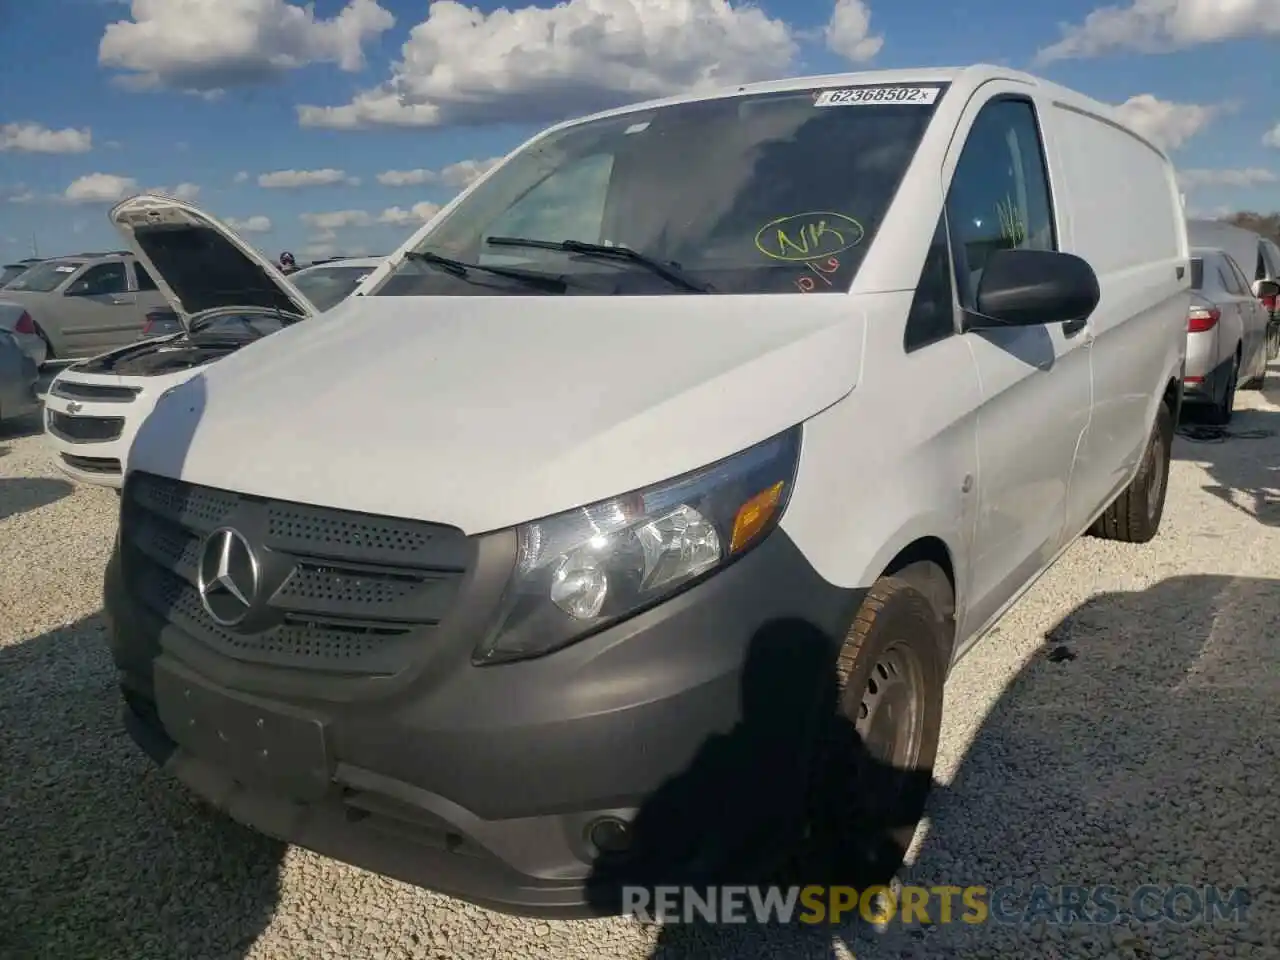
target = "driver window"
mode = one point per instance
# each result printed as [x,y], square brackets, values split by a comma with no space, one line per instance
[105,278]
[555,210]
[999,197]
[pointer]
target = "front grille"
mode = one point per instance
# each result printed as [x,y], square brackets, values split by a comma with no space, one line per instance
[85,429]
[343,593]
[95,391]
[106,466]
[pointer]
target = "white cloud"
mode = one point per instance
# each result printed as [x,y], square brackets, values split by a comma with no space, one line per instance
[466,172]
[336,219]
[182,191]
[1272,137]
[458,175]
[241,177]
[35,138]
[1160,26]
[306,178]
[848,32]
[1166,124]
[534,64]
[254,224]
[406,178]
[418,213]
[206,46]
[1247,177]
[99,188]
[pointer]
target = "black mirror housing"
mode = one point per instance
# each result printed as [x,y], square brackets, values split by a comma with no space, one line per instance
[1033,288]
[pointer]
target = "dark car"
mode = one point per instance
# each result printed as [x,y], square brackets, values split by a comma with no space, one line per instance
[18,375]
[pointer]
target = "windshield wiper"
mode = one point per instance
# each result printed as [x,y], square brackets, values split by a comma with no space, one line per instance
[670,272]
[461,269]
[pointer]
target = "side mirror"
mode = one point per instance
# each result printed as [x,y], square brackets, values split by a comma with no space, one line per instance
[1266,288]
[1032,288]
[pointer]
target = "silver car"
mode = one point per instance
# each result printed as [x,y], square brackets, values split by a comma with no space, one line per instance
[72,307]
[1258,258]
[1226,332]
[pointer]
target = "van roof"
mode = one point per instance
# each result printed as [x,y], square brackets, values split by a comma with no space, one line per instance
[965,79]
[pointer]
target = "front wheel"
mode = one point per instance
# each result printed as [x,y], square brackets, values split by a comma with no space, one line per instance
[874,766]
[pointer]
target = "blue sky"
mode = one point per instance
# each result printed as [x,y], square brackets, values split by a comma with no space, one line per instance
[205,97]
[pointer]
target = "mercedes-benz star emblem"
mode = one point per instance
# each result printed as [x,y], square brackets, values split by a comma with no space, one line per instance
[229,577]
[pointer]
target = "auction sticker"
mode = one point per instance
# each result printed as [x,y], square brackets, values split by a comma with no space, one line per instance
[873,96]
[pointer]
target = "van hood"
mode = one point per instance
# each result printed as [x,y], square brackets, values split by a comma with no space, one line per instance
[201,264]
[492,411]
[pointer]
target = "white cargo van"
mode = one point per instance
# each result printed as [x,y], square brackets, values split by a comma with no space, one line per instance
[697,441]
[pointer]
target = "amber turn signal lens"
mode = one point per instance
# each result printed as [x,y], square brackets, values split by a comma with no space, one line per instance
[754,515]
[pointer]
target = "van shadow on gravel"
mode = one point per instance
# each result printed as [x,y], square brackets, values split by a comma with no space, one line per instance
[1242,459]
[1140,745]
[106,858]
[1150,756]
[20,494]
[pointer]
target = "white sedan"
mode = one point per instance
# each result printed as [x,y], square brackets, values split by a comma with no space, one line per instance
[225,296]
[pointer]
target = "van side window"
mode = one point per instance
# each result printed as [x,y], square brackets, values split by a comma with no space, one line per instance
[999,197]
[144,279]
[932,317]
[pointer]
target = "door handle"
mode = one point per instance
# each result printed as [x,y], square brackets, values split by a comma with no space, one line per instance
[1071,327]
[119,301]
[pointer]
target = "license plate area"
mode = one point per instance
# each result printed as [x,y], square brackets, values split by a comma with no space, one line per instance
[273,747]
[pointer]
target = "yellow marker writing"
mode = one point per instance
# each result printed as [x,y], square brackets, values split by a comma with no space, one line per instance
[808,236]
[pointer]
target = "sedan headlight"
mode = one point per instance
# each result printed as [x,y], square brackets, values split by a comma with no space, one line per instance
[579,571]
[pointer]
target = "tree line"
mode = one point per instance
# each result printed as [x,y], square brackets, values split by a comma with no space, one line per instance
[1267,224]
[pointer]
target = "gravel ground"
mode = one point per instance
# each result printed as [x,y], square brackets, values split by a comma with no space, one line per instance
[1148,757]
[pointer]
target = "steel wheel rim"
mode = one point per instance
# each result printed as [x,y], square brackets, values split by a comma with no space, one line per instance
[890,718]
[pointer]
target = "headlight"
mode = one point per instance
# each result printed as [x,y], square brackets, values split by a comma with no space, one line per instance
[582,570]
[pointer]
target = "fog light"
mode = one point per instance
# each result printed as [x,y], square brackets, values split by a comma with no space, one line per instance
[609,835]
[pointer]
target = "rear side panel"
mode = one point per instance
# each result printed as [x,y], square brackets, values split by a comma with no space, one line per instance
[1124,217]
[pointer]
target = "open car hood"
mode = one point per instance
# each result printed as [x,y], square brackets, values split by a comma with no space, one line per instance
[199,263]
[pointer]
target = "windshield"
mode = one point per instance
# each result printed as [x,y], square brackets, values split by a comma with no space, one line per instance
[1197,273]
[328,286]
[766,193]
[44,277]
[238,324]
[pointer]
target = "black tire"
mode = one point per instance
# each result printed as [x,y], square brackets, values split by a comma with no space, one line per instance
[864,807]
[1134,516]
[1222,409]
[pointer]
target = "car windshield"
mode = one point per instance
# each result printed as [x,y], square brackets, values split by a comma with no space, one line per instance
[328,286]
[749,194]
[237,324]
[1197,273]
[44,277]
